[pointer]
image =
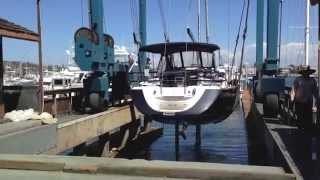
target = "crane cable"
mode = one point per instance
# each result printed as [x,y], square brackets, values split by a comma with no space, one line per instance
[244,37]
[237,40]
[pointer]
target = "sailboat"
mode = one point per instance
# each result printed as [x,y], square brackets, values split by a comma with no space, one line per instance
[186,85]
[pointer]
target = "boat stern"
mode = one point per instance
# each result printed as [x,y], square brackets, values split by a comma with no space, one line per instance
[174,101]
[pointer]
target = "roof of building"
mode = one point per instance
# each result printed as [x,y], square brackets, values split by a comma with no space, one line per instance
[12,30]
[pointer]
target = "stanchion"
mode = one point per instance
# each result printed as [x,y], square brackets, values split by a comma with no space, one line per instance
[177,140]
[198,135]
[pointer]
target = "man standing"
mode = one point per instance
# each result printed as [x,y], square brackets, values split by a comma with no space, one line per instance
[305,90]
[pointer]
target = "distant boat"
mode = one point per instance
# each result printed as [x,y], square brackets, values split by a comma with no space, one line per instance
[55,81]
[186,86]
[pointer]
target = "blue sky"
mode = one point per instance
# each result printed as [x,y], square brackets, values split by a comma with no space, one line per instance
[61,18]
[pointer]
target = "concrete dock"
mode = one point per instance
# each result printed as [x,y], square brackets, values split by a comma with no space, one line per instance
[73,132]
[114,129]
[65,167]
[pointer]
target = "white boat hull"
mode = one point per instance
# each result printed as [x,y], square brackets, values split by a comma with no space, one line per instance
[195,104]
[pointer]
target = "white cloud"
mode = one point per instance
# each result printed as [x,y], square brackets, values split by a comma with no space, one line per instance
[291,53]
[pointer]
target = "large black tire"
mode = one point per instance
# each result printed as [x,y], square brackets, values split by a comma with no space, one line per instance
[97,102]
[271,105]
[258,92]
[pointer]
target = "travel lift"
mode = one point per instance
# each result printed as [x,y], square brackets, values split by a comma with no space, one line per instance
[94,52]
[269,85]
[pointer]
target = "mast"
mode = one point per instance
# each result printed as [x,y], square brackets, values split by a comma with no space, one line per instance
[142,31]
[198,21]
[207,20]
[307,33]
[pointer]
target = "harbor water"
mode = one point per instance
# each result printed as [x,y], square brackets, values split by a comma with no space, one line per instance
[225,142]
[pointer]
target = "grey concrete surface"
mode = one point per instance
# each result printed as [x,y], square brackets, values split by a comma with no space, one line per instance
[72,167]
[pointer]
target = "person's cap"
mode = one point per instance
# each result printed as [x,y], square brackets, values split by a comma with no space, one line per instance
[303,69]
[314,2]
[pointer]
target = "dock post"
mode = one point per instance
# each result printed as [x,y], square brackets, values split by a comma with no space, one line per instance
[198,135]
[41,92]
[177,140]
[55,109]
[70,102]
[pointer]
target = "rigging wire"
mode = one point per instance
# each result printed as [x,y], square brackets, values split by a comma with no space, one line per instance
[188,13]
[198,19]
[237,39]
[135,24]
[164,22]
[169,17]
[207,20]
[134,15]
[229,15]
[244,37]
[135,30]
[189,33]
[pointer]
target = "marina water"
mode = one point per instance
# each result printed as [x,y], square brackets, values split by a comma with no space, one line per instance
[225,142]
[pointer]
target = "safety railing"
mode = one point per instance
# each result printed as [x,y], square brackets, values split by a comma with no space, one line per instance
[178,79]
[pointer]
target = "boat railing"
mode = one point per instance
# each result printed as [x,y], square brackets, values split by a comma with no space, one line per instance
[177,79]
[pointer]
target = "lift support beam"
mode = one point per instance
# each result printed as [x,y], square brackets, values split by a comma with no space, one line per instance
[269,85]
[259,38]
[272,60]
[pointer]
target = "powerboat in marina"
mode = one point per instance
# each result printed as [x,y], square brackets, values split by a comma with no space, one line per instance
[186,85]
